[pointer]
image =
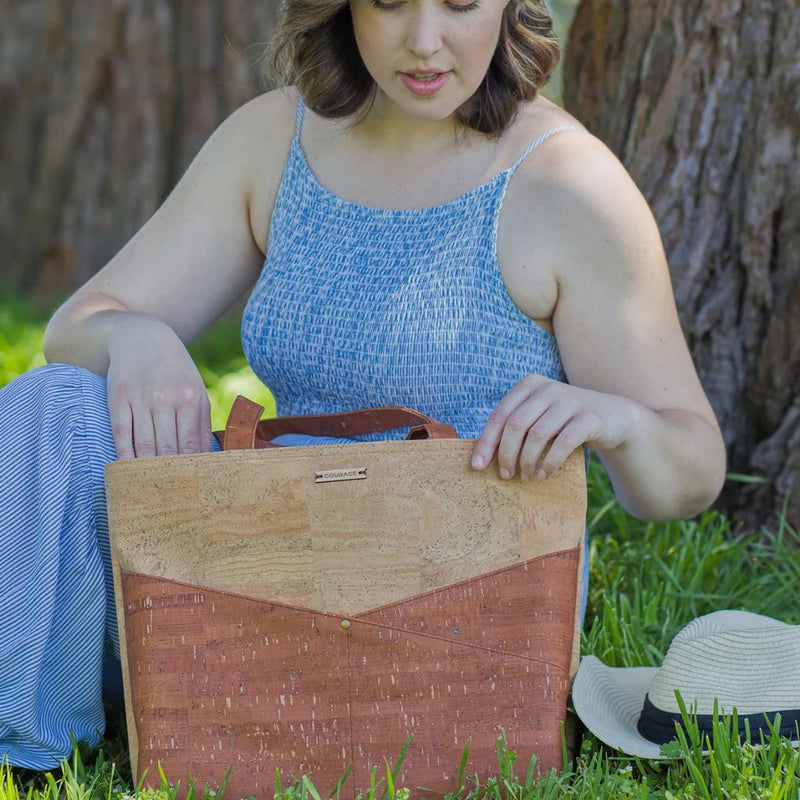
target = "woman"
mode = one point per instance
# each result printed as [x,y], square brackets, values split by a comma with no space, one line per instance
[418,227]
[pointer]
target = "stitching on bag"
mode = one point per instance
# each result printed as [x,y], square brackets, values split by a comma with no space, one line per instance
[467,645]
[350,713]
[358,617]
[467,581]
[432,636]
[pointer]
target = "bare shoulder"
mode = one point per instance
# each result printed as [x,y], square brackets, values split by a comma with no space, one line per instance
[577,190]
[591,241]
[258,132]
[572,216]
[255,142]
[268,117]
[203,247]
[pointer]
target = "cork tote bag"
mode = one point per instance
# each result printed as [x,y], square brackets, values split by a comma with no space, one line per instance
[310,608]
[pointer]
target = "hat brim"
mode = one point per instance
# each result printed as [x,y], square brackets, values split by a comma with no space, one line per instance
[609,700]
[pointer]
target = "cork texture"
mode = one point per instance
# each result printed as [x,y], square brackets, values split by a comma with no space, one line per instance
[234,572]
[219,680]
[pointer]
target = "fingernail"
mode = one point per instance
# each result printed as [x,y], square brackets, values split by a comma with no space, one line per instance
[541,475]
[478,462]
[505,474]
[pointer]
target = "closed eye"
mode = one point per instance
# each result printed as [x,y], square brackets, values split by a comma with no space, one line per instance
[460,7]
[464,6]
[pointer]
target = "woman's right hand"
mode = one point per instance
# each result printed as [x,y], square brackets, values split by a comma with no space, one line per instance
[190,263]
[156,398]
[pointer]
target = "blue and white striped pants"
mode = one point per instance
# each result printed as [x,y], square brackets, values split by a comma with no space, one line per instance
[58,627]
[59,642]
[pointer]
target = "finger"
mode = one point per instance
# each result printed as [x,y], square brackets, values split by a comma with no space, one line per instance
[188,424]
[166,431]
[121,418]
[540,436]
[579,430]
[487,443]
[144,437]
[205,425]
[523,422]
[496,425]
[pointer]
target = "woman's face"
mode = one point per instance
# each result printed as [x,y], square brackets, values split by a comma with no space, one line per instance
[427,57]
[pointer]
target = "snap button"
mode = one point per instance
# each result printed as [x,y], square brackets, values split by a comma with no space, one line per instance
[345,624]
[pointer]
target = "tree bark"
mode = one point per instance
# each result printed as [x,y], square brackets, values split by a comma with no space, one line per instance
[104,104]
[701,101]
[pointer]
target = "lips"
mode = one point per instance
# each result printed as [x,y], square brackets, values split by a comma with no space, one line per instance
[425,82]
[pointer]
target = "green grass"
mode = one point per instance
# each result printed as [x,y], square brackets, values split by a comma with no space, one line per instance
[647,581]
[21,330]
[219,357]
[218,354]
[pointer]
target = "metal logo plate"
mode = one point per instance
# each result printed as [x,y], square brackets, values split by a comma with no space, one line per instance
[346,474]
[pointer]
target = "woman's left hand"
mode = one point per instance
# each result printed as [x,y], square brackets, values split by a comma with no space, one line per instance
[541,421]
[591,266]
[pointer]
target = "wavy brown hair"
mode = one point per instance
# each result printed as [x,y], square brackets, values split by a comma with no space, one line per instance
[314,48]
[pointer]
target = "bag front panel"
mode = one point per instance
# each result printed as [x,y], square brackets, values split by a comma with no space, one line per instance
[259,522]
[216,680]
[219,680]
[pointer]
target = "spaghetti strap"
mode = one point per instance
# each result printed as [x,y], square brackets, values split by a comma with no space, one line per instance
[543,138]
[299,124]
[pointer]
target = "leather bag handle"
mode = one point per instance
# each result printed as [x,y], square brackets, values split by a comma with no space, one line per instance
[245,430]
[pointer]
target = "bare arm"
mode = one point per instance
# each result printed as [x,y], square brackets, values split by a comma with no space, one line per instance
[633,392]
[191,261]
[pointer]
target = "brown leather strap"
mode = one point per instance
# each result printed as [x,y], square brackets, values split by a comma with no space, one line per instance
[356,423]
[240,429]
[244,429]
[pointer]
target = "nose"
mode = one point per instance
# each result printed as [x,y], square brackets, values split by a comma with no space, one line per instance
[424,35]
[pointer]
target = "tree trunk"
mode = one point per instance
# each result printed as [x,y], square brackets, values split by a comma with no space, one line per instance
[104,104]
[701,101]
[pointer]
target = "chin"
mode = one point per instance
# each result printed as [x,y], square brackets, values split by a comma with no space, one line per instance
[430,109]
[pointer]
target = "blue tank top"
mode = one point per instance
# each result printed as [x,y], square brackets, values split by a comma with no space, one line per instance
[359,306]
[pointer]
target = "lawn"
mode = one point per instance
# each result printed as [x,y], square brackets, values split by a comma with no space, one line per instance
[647,581]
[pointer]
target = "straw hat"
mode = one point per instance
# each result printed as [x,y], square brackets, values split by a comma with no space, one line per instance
[743,661]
